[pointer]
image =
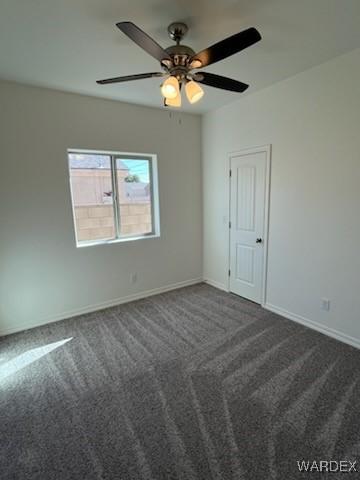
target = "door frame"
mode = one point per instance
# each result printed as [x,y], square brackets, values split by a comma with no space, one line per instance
[245,151]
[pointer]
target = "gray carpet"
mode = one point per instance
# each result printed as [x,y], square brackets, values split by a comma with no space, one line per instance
[191,384]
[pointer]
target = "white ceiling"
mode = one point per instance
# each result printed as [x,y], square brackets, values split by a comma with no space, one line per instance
[68,44]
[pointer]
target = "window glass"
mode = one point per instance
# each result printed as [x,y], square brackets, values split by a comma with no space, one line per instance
[134,196]
[92,196]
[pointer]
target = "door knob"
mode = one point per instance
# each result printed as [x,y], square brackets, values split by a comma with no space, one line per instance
[259,240]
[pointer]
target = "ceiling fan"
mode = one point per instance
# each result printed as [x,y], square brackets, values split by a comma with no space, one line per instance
[178,62]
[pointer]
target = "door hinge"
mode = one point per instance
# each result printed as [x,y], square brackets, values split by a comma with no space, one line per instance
[229,224]
[230,173]
[229,272]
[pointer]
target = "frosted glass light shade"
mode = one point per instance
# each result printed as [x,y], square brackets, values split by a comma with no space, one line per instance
[170,88]
[193,91]
[173,102]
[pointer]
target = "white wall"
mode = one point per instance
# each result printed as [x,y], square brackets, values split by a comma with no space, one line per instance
[312,121]
[43,276]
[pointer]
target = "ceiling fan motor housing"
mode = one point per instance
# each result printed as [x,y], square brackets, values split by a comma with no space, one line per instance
[180,55]
[179,64]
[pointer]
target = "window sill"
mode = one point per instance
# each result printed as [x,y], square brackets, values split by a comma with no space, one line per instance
[116,240]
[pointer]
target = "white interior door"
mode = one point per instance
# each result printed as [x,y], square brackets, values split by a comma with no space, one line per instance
[247,223]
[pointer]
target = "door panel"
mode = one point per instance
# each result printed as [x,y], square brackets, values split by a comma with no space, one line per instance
[245,264]
[247,217]
[245,205]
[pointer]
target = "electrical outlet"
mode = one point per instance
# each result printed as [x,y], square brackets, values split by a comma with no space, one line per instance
[133,278]
[325,304]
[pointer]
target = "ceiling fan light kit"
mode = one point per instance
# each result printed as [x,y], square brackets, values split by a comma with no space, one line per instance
[170,90]
[178,62]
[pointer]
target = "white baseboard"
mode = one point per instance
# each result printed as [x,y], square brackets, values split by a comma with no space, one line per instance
[99,306]
[215,284]
[331,332]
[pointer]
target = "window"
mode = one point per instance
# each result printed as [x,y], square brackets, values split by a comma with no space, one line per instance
[114,196]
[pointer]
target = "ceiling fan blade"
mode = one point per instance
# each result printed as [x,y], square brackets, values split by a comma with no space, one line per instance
[218,81]
[143,40]
[227,47]
[128,78]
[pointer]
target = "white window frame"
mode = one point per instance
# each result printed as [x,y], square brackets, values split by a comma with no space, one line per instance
[155,210]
